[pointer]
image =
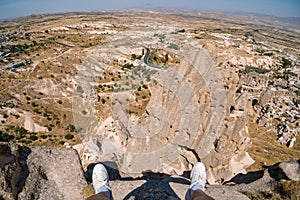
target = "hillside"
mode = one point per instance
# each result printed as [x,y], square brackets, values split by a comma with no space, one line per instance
[171,87]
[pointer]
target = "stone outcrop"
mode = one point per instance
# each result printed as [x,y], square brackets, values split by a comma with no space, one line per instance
[170,189]
[162,186]
[40,173]
[184,121]
[287,170]
[55,173]
[229,157]
[274,104]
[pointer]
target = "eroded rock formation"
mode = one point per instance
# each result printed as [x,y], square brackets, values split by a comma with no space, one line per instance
[40,173]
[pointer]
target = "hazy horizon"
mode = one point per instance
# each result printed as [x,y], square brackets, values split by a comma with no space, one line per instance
[19,8]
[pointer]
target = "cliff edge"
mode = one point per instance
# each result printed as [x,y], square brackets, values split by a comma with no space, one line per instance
[56,173]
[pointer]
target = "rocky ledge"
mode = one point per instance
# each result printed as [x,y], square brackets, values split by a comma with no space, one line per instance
[56,173]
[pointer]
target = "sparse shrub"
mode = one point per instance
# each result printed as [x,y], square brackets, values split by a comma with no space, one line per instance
[127,66]
[248,34]
[37,111]
[9,104]
[148,78]
[84,112]
[286,73]
[258,50]
[71,128]
[5,115]
[22,131]
[16,116]
[173,46]
[24,141]
[44,136]
[69,136]
[49,128]
[61,142]
[79,89]
[249,69]
[33,137]
[268,54]
[103,100]
[133,56]
[286,63]
[59,102]
[5,137]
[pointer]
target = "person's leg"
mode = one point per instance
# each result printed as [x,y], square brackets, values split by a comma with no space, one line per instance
[197,187]
[100,184]
[200,195]
[99,196]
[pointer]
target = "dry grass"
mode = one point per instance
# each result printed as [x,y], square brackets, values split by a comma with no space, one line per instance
[283,190]
[266,151]
[88,191]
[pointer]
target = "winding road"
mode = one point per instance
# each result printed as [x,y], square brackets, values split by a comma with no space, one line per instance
[146,57]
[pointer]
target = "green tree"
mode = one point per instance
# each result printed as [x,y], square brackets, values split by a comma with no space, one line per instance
[69,136]
[79,89]
[33,137]
[133,56]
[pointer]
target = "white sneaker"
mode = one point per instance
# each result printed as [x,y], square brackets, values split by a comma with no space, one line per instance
[198,175]
[100,178]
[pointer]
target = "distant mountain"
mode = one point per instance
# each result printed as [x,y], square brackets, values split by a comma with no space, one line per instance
[290,22]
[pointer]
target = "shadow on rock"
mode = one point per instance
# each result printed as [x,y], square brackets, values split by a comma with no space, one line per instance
[279,171]
[285,170]
[14,169]
[156,187]
[246,178]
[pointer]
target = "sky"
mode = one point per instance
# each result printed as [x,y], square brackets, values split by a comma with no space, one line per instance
[17,8]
